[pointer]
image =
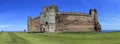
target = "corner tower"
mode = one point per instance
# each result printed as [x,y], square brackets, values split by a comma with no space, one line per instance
[29,23]
[93,14]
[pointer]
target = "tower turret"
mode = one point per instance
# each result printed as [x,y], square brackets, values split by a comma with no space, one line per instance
[50,8]
[93,12]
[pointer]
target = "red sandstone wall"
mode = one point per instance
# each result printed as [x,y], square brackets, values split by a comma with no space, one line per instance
[74,23]
[34,25]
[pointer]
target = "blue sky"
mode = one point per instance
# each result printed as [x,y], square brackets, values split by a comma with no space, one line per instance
[14,13]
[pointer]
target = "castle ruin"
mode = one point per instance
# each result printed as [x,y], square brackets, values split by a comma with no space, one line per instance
[51,20]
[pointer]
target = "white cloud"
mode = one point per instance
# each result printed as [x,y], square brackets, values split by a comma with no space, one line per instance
[111,23]
[4,26]
[6,15]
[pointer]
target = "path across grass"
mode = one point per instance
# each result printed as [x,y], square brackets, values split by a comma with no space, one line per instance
[62,38]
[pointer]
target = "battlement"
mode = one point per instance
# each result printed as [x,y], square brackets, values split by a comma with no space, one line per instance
[49,8]
[54,9]
[38,17]
[74,13]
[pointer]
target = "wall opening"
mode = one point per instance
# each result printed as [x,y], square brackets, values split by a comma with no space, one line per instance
[43,29]
[46,23]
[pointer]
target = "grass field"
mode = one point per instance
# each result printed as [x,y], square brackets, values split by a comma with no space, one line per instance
[61,38]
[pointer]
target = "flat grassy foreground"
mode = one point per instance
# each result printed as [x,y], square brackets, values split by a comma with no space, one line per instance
[61,38]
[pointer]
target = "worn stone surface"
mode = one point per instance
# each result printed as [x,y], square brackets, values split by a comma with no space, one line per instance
[74,23]
[34,24]
[53,21]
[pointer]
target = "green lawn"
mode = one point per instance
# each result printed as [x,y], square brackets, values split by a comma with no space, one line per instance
[61,38]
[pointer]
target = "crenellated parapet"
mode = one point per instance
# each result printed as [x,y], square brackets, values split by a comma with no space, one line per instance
[50,8]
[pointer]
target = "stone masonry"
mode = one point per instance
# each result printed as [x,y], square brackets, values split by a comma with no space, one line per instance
[50,20]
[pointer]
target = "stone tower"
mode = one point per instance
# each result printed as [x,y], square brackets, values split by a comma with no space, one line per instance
[29,21]
[93,13]
[48,18]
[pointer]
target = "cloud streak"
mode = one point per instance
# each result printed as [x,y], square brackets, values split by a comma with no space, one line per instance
[6,15]
[5,26]
[110,23]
